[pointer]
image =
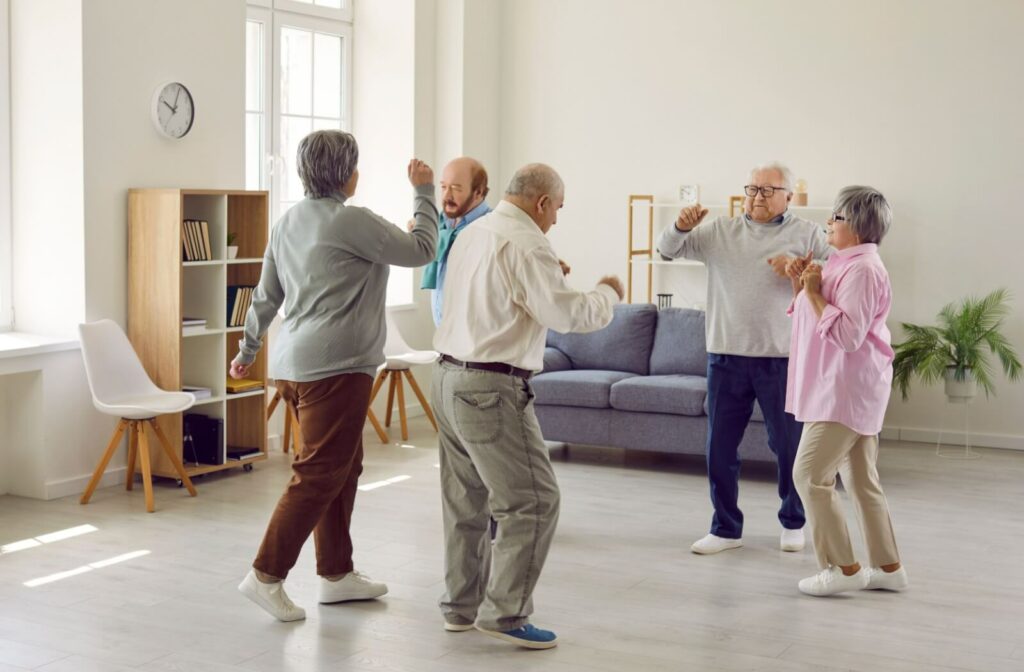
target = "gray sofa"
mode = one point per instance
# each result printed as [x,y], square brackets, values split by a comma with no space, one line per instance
[639,383]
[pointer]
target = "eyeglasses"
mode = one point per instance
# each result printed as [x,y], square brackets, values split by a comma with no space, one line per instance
[769,191]
[836,217]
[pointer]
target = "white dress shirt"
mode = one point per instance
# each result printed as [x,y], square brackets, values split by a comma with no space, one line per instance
[505,289]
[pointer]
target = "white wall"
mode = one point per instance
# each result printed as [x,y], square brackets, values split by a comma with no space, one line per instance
[47,165]
[130,48]
[920,99]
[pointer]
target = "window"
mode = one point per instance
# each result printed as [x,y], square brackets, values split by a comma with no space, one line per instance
[6,265]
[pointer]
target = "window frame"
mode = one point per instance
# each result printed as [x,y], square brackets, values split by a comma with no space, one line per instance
[6,235]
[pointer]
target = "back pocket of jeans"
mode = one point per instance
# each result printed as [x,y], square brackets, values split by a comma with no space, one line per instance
[478,416]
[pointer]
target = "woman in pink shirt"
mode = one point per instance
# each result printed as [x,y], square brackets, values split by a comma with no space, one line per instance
[840,375]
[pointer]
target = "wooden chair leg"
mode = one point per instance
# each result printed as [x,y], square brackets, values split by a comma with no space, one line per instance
[172,456]
[401,406]
[272,406]
[115,441]
[391,398]
[147,472]
[419,395]
[287,436]
[372,417]
[133,453]
[381,377]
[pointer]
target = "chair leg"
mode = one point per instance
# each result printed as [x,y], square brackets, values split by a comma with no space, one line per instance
[401,406]
[272,406]
[133,453]
[391,398]
[419,395]
[372,417]
[115,440]
[172,456]
[381,377]
[147,472]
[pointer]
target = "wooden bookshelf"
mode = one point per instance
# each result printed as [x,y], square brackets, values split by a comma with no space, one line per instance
[163,288]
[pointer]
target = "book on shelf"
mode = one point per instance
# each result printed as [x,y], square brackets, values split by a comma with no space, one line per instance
[193,321]
[242,453]
[195,240]
[197,391]
[239,301]
[234,386]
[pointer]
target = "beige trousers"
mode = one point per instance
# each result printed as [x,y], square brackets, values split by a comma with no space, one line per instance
[827,448]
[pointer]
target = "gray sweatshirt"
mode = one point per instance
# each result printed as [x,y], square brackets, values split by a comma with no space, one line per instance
[328,264]
[747,301]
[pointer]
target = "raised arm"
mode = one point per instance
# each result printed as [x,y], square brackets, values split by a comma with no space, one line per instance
[543,292]
[685,238]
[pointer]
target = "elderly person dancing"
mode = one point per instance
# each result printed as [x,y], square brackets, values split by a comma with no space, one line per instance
[840,375]
[327,262]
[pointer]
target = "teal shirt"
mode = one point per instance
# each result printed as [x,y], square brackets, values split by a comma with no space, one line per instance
[327,264]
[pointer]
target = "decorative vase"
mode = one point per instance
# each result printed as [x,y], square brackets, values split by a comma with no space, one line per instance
[960,391]
[232,251]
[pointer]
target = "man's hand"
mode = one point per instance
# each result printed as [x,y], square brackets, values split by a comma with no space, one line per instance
[566,268]
[811,279]
[420,173]
[779,264]
[410,225]
[795,265]
[613,282]
[239,371]
[690,217]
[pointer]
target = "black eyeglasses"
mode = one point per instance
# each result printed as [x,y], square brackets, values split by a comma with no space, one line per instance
[769,191]
[836,217]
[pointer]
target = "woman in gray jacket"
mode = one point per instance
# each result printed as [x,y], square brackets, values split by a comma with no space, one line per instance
[327,264]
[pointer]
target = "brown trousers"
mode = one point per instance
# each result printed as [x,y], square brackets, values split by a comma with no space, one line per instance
[322,492]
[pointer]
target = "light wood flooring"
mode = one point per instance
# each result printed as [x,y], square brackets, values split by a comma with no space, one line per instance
[620,588]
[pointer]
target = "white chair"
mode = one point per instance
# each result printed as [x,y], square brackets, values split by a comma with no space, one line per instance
[121,387]
[400,356]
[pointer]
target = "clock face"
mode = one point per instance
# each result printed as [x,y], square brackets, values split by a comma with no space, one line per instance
[173,110]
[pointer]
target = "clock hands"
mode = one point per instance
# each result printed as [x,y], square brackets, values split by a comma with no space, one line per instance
[172,107]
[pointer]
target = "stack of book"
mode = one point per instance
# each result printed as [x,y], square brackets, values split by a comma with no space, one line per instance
[239,300]
[198,391]
[193,325]
[242,453]
[234,386]
[195,240]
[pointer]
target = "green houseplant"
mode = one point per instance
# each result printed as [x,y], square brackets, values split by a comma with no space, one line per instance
[232,248]
[956,349]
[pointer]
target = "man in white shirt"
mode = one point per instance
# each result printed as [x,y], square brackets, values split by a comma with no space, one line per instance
[505,289]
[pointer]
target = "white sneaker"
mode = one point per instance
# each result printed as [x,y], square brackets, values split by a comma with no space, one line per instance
[353,586]
[457,627]
[271,597]
[879,579]
[831,581]
[792,540]
[712,544]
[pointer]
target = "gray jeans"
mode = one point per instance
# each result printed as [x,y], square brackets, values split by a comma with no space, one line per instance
[493,463]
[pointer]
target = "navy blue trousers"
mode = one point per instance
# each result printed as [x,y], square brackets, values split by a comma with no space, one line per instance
[734,383]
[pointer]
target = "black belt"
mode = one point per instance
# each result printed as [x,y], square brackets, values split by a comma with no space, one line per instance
[496,367]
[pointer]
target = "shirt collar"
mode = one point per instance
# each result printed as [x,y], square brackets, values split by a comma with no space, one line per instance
[855,251]
[338,196]
[513,211]
[476,213]
[778,220]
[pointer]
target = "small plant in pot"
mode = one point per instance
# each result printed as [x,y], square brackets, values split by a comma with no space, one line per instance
[957,350]
[232,248]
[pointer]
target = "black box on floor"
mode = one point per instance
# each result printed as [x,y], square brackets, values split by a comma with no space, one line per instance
[202,439]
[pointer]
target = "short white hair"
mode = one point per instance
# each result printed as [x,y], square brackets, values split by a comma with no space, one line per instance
[534,180]
[781,169]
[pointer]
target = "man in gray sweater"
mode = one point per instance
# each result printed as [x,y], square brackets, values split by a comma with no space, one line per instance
[748,340]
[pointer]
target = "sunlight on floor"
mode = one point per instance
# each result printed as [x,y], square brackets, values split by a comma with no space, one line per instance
[381,484]
[49,538]
[99,564]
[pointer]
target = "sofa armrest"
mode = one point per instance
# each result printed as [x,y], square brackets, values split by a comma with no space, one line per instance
[555,360]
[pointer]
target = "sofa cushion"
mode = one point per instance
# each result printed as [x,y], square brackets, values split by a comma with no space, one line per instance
[589,389]
[624,345]
[556,360]
[679,343]
[677,394]
[756,416]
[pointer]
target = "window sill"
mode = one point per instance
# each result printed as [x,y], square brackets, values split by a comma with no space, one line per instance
[401,307]
[20,344]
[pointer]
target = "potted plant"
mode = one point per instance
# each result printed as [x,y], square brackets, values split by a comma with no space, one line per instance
[956,349]
[232,248]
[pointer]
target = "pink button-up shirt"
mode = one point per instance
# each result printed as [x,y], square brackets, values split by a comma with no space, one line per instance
[840,365]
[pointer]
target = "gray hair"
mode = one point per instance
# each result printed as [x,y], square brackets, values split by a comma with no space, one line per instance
[325,161]
[867,213]
[534,180]
[781,169]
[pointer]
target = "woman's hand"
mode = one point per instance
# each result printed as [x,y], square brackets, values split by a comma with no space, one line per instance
[239,371]
[420,173]
[811,279]
[795,268]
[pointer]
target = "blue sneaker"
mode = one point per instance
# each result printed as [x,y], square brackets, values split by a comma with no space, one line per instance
[527,636]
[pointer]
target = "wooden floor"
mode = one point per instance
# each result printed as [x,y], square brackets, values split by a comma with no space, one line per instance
[620,588]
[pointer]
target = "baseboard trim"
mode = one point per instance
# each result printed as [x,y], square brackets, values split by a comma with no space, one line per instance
[76,485]
[953,438]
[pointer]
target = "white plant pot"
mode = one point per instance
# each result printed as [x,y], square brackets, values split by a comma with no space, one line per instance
[232,251]
[960,391]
